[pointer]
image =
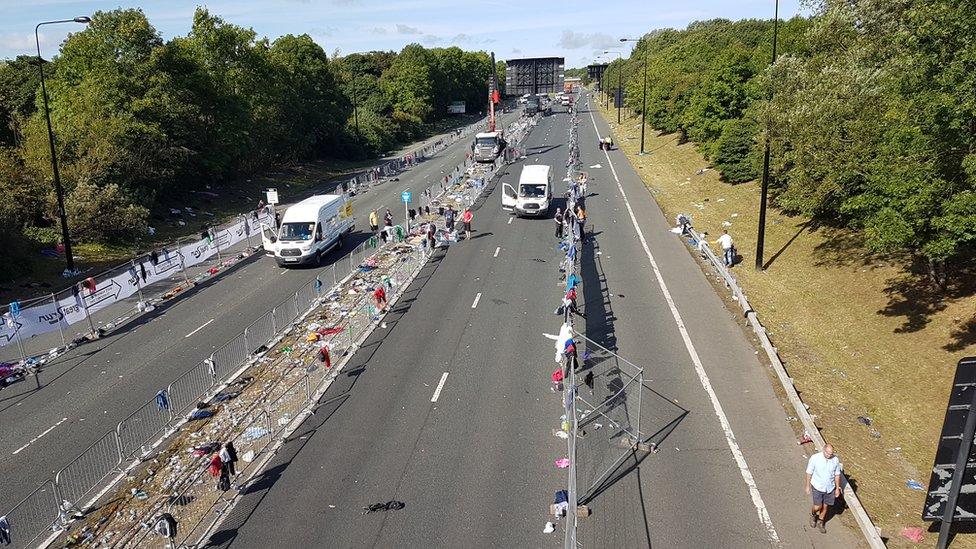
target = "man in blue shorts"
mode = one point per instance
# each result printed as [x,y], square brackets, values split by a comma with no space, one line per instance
[823,484]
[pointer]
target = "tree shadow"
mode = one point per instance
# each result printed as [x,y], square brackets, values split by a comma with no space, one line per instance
[803,227]
[912,295]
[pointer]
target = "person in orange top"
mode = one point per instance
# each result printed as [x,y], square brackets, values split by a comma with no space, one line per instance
[466,218]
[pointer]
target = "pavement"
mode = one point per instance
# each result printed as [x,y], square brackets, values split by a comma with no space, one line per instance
[84,393]
[448,409]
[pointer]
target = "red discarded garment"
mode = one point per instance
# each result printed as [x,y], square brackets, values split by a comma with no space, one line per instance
[215,465]
[325,357]
[329,331]
[557,375]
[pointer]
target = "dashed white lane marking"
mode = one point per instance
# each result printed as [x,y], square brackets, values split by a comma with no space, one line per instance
[35,439]
[740,459]
[498,249]
[437,391]
[510,220]
[477,298]
[205,324]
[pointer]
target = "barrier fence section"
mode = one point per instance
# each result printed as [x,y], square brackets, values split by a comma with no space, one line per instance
[47,508]
[84,308]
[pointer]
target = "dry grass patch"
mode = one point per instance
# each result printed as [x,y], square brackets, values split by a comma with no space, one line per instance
[861,335]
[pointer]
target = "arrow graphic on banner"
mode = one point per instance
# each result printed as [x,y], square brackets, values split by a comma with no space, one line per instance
[9,329]
[111,291]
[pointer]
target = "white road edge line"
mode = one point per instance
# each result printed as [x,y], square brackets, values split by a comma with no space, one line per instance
[740,459]
[205,324]
[498,249]
[35,439]
[437,391]
[477,298]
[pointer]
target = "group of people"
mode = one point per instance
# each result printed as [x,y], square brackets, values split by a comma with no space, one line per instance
[450,222]
[223,465]
[574,217]
[606,143]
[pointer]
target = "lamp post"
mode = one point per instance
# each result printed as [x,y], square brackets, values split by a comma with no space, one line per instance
[764,188]
[59,190]
[644,98]
[619,97]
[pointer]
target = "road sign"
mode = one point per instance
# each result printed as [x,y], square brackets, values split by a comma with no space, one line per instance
[15,308]
[952,487]
[272,196]
[405,196]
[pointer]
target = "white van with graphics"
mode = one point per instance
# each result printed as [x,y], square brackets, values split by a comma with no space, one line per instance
[309,230]
[534,194]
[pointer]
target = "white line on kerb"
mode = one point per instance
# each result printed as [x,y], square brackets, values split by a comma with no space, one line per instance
[437,391]
[205,324]
[740,459]
[498,249]
[477,298]
[35,439]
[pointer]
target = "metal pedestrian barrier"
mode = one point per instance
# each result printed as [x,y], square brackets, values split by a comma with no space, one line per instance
[80,478]
[34,516]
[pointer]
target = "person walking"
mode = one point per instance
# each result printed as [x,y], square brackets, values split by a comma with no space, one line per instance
[466,219]
[823,484]
[449,216]
[379,294]
[559,222]
[388,218]
[728,248]
[374,222]
[431,232]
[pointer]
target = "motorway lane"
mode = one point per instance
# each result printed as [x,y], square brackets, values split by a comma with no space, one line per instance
[474,468]
[96,385]
[692,492]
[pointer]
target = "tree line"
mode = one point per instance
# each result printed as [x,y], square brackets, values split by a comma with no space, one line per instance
[871,121]
[139,118]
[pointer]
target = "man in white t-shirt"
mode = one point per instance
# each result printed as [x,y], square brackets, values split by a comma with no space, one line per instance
[823,484]
[728,248]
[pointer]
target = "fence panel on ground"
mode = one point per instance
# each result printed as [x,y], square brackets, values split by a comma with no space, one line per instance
[82,476]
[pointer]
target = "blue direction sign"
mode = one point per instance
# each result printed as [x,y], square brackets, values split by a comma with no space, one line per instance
[405,196]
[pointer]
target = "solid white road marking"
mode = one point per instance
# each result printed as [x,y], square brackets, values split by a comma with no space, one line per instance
[437,391]
[740,459]
[477,298]
[498,249]
[510,220]
[35,439]
[205,324]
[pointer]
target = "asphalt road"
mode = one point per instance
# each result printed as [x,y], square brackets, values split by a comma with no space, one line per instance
[86,392]
[475,468]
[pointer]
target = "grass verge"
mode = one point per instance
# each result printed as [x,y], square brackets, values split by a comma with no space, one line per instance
[862,336]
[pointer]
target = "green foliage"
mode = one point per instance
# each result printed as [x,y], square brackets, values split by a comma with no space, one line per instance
[734,151]
[103,214]
[141,121]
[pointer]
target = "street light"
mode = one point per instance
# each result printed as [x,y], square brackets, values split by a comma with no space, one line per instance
[619,97]
[59,190]
[764,188]
[644,100]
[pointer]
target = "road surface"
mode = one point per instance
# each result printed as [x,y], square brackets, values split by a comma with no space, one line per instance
[87,391]
[448,409]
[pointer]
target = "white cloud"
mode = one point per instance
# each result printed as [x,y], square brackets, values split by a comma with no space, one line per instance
[19,41]
[377,30]
[459,38]
[431,39]
[407,29]
[576,40]
[323,31]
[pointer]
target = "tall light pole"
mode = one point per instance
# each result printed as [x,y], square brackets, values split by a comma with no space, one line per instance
[59,190]
[644,99]
[764,189]
[618,99]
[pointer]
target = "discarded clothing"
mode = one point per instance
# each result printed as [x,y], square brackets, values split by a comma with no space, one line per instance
[162,400]
[562,463]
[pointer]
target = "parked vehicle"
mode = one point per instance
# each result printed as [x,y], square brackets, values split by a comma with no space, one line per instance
[488,145]
[309,230]
[534,194]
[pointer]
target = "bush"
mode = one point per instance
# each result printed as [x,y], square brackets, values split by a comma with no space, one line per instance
[103,214]
[734,148]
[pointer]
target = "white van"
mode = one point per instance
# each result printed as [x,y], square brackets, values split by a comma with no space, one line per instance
[309,230]
[534,194]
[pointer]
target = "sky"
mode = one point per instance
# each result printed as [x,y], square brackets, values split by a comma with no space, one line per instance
[573,29]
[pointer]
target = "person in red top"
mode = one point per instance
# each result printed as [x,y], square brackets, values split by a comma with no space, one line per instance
[466,218]
[379,294]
